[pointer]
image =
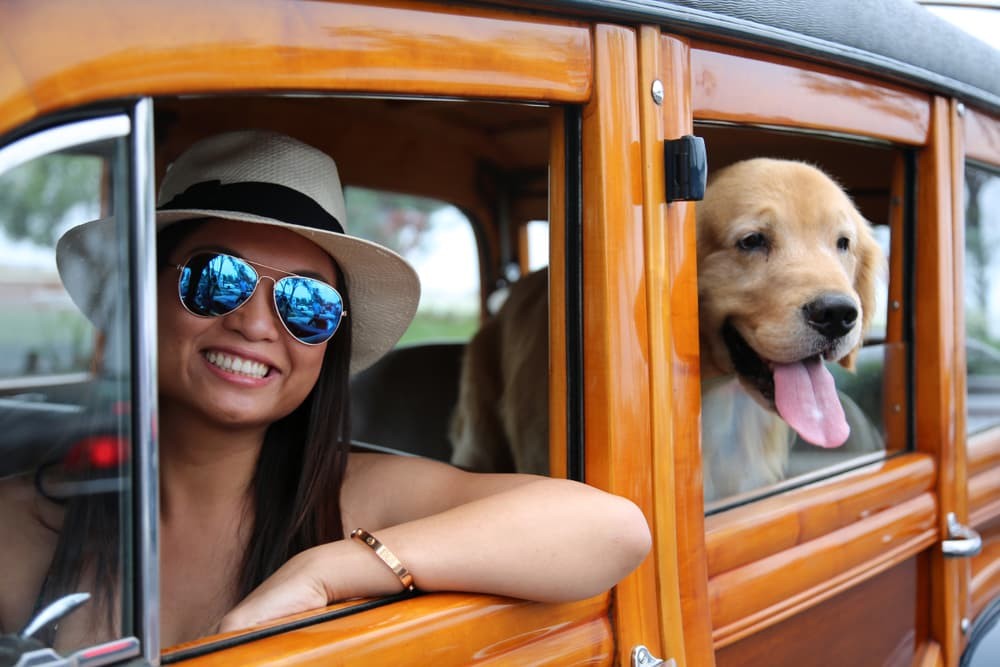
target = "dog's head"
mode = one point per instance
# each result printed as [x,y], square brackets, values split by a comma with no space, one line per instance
[787,269]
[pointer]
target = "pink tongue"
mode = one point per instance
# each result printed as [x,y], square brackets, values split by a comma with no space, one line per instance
[806,398]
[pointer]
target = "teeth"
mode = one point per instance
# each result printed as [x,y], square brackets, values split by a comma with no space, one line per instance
[237,365]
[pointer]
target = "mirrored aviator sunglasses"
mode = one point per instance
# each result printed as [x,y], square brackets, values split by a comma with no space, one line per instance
[213,284]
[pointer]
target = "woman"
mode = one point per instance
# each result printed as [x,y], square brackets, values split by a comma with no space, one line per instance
[266,306]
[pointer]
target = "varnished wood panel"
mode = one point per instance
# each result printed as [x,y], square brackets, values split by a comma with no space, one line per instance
[936,384]
[615,320]
[729,86]
[674,361]
[984,451]
[751,598]
[438,630]
[557,295]
[895,380]
[870,624]
[928,655]
[754,532]
[984,496]
[70,53]
[982,136]
[984,477]
[984,586]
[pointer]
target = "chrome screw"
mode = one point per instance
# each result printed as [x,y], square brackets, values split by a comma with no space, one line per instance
[657,91]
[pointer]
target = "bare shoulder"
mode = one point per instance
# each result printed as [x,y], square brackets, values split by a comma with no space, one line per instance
[30,537]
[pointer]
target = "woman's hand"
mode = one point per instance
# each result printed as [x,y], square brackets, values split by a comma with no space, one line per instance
[313,579]
[294,588]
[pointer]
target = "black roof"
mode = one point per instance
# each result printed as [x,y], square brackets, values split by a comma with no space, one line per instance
[898,38]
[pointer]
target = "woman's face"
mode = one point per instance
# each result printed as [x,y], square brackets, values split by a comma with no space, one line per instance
[194,350]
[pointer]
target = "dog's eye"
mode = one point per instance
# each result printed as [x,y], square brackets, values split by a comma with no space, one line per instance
[754,241]
[843,243]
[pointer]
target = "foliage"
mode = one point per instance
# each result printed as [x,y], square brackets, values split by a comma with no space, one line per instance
[36,197]
[396,221]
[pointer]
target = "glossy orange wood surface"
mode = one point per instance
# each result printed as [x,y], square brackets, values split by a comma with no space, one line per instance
[867,625]
[895,388]
[768,90]
[557,294]
[935,383]
[756,596]
[984,451]
[615,320]
[929,655]
[956,499]
[674,363]
[984,496]
[982,136]
[753,532]
[984,478]
[65,53]
[435,630]
[658,308]
[984,586]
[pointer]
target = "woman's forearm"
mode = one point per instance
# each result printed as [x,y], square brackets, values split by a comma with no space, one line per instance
[547,540]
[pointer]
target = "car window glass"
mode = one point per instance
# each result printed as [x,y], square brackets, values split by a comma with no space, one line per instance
[748,450]
[437,239]
[64,395]
[982,297]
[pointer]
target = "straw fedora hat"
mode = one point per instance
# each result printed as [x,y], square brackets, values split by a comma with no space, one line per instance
[265,178]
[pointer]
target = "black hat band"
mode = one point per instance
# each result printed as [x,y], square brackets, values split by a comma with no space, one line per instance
[267,200]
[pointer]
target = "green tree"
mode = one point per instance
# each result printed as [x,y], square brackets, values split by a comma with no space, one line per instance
[36,196]
[399,222]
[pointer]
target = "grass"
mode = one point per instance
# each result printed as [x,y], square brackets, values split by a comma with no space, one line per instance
[436,326]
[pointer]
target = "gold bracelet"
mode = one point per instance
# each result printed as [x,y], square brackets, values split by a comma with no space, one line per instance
[385,556]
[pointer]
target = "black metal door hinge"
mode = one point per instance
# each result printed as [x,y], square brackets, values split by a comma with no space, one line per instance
[686,168]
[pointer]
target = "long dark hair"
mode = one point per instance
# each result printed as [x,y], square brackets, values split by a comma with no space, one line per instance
[294,493]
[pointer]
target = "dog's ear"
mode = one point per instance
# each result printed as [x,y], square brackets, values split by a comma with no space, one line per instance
[871,264]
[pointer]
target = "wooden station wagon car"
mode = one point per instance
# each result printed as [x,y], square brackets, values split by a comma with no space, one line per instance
[486,139]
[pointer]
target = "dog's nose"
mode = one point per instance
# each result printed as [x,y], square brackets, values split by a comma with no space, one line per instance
[833,315]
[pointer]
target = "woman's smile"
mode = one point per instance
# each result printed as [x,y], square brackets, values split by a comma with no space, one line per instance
[234,364]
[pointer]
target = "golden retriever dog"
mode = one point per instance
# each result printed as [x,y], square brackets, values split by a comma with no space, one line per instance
[787,271]
[501,422]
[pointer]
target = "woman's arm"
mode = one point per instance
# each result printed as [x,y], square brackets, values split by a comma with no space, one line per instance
[517,535]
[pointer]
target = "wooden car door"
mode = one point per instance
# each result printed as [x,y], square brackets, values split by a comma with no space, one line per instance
[846,552]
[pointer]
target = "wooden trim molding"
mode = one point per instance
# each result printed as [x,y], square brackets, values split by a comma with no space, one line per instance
[753,532]
[432,630]
[756,596]
[982,136]
[63,53]
[617,414]
[738,86]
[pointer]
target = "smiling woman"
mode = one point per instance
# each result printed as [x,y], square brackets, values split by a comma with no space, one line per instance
[256,275]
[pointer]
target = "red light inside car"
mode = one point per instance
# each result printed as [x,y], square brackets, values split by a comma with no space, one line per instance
[96,452]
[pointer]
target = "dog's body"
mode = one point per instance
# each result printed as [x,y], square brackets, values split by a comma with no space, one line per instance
[786,280]
[501,423]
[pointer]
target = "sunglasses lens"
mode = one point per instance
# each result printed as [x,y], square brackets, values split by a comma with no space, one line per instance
[216,284]
[311,309]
